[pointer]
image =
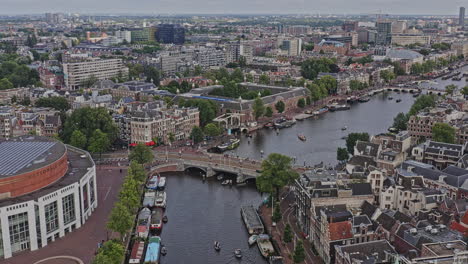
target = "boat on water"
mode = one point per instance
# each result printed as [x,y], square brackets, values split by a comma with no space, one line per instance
[238,253]
[226,182]
[160,200]
[252,220]
[284,123]
[252,239]
[162,183]
[344,128]
[269,125]
[143,223]
[351,99]
[163,251]
[390,98]
[302,137]
[153,183]
[156,219]
[398,100]
[338,107]
[364,99]
[148,198]
[137,252]
[219,177]
[165,219]
[152,252]
[217,246]
[416,94]
[264,245]
[232,144]
[321,111]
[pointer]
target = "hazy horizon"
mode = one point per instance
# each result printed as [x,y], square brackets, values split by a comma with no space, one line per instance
[240,7]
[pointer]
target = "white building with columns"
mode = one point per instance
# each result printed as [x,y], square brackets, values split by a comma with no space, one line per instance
[37,217]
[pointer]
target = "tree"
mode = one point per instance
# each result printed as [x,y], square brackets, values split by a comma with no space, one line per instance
[276,217]
[280,106]
[120,220]
[110,252]
[196,135]
[287,235]
[464,91]
[342,154]
[98,142]
[207,108]
[264,79]
[352,138]
[141,153]
[299,253]
[137,172]
[78,139]
[277,172]
[5,84]
[442,132]
[56,102]
[129,194]
[422,102]
[312,67]
[212,130]
[258,108]
[268,111]
[171,137]
[400,121]
[449,89]
[87,120]
[301,103]
[387,75]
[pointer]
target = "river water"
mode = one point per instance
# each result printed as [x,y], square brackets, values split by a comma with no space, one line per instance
[324,134]
[200,213]
[440,84]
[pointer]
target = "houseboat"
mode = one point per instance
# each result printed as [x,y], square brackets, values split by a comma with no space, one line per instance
[143,222]
[152,252]
[321,111]
[160,200]
[232,144]
[264,245]
[137,252]
[252,220]
[284,123]
[156,219]
[338,107]
[364,99]
[148,199]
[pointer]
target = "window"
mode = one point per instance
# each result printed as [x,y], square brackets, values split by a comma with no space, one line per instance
[19,232]
[68,209]
[91,190]
[51,217]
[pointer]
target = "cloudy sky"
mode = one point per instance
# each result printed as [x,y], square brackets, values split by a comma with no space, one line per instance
[444,7]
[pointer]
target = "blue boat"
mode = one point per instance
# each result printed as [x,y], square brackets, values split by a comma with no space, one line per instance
[152,252]
[153,183]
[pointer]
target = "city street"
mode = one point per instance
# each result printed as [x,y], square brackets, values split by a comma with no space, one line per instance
[81,243]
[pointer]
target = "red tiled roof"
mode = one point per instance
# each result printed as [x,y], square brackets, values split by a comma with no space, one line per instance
[340,230]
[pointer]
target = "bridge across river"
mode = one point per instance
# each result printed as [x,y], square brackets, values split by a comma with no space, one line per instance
[209,163]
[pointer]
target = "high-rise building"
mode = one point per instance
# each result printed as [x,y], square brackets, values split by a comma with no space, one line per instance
[170,34]
[124,35]
[384,33]
[399,27]
[293,46]
[461,18]
[349,26]
[54,18]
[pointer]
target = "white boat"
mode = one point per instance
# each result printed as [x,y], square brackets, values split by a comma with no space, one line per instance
[252,239]
[238,253]
[264,245]
[217,246]
[225,182]
[162,183]
[153,183]
[160,200]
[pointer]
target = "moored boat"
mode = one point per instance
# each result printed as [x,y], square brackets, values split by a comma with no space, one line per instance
[232,144]
[364,99]
[162,183]
[265,246]
[137,252]
[156,219]
[252,239]
[398,100]
[152,252]
[160,200]
[153,183]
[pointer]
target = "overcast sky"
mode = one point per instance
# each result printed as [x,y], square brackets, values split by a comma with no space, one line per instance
[442,7]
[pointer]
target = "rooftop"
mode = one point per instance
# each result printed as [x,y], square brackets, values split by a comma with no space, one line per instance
[28,153]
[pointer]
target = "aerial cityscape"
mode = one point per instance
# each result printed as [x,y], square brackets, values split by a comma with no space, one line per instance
[215,132]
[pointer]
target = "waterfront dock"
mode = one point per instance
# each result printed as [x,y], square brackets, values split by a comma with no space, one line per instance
[301,117]
[252,220]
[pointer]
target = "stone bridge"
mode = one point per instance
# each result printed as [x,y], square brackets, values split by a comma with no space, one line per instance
[209,164]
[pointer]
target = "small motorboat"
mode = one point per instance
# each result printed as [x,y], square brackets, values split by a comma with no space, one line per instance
[217,246]
[165,219]
[238,253]
[163,251]
[219,177]
[252,239]
[302,137]
[390,98]
[344,128]
[225,182]
[398,100]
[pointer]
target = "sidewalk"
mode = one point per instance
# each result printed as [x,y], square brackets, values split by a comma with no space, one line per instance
[287,250]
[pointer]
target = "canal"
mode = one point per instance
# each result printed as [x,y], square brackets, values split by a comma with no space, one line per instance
[440,84]
[200,213]
[324,134]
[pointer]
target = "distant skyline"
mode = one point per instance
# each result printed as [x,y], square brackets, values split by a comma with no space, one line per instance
[416,7]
